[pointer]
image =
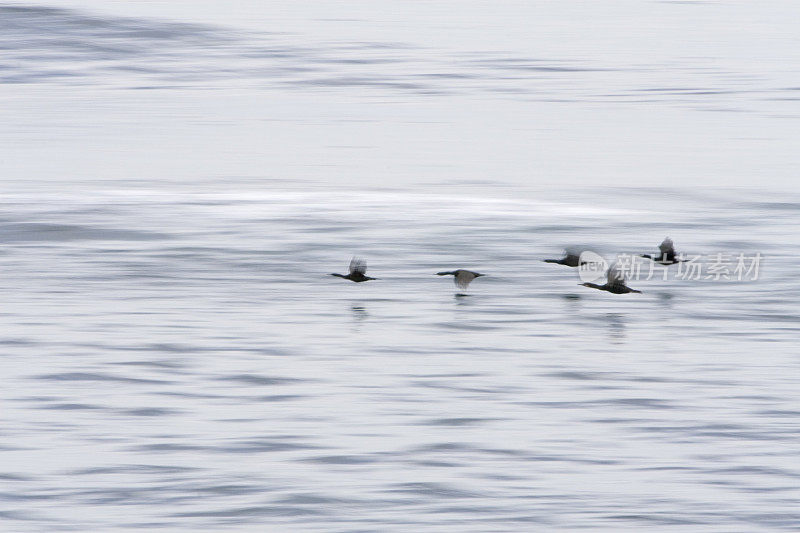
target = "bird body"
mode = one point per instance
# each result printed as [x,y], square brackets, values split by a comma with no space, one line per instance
[358,271]
[615,282]
[666,254]
[616,289]
[461,278]
[570,259]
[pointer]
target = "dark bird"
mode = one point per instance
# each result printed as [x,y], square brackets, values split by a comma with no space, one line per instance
[666,255]
[571,258]
[461,278]
[358,270]
[615,282]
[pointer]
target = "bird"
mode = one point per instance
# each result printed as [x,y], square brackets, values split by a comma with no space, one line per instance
[358,269]
[461,277]
[615,282]
[666,253]
[571,259]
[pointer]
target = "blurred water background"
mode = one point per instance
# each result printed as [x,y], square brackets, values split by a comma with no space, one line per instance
[178,179]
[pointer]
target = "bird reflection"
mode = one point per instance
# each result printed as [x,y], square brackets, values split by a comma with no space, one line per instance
[359,312]
[616,327]
[462,298]
[666,299]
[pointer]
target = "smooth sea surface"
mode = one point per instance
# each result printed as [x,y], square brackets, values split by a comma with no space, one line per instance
[180,178]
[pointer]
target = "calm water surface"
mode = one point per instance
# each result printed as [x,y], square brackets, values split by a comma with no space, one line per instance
[176,190]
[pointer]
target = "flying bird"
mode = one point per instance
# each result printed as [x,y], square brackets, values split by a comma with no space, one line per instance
[666,254]
[571,259]
[615,282]
[461,278]
[358,270]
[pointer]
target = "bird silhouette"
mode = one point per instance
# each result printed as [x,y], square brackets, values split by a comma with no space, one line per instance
[666,255]
[572,258]
[615,282]
[461,278]
[358,270]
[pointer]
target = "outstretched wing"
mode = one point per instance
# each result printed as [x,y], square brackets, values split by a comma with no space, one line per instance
[463,278]
[358,266]
[616,275]
[666,247]
[572,256]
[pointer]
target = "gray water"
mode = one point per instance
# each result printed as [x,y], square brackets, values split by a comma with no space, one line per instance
[178,182]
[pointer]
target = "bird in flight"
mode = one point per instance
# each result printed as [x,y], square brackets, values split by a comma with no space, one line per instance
[358,271]
[666,254]
[615,282]
[572,258]
[461,278]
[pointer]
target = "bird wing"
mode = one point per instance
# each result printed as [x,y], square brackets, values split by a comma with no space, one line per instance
[463,278]
[666,247]
[358,266]
[615,275]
